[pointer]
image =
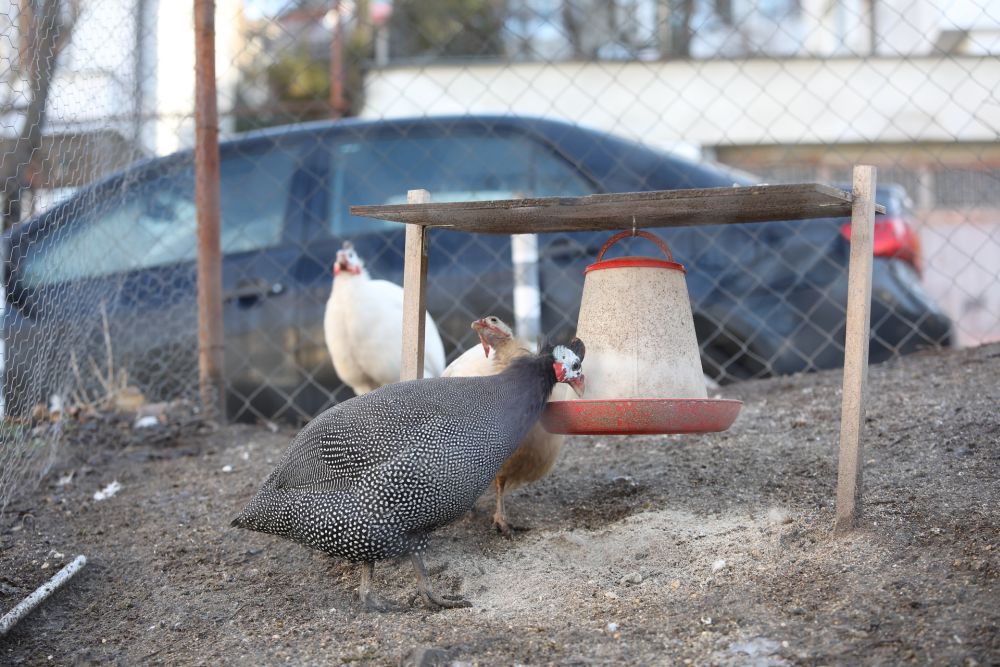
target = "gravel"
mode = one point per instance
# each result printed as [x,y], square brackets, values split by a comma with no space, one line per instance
[711,549]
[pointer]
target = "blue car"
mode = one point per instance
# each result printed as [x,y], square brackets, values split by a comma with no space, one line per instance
[114,265]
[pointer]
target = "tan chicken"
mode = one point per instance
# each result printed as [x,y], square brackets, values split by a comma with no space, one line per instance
[496,338]
[539,450]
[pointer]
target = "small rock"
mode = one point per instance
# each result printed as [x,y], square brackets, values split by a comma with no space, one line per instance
[612,627]
[7,589]
[777,516]
[424,656]
[108,492]
[611,595]
[146,422]
[632,578]
[718,565]
[624,485]
[759,651]
[573,538]
[227,468]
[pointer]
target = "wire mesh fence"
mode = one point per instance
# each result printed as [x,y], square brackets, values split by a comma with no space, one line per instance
[470,100]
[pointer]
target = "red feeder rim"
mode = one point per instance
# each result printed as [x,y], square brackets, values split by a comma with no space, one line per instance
[640,416]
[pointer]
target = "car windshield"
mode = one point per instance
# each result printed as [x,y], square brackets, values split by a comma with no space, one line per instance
[150,221]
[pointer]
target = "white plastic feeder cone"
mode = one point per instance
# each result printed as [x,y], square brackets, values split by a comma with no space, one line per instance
[636,321]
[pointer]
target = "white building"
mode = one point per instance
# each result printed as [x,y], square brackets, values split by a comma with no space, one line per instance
[790,90]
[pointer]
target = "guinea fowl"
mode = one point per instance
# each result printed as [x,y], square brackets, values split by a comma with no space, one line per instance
[363,327]
[372,477]
[539,450]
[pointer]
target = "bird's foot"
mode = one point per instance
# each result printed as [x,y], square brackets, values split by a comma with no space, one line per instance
[434,601]
[506,529]
[372,602]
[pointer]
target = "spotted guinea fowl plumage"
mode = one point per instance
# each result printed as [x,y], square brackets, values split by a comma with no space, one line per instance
[373,477]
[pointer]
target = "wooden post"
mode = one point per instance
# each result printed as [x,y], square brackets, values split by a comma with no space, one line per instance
[206,180]
[414,293]
[859,292]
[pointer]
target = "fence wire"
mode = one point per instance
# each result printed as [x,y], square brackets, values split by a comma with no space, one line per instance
[479,99]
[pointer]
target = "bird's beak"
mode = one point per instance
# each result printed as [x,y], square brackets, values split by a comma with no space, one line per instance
[579,385]
[478,326]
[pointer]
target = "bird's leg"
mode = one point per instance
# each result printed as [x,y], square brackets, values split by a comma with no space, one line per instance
[424,587]
[504,527]
[500,516]
[369,600]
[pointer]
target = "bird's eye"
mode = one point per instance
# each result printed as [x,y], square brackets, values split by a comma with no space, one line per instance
[576,366]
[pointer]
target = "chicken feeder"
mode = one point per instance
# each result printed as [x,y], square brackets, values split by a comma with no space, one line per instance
[643,366]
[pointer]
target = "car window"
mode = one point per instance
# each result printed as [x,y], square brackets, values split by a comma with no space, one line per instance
[253,196]
[116,230]
[456,167]
[153,222]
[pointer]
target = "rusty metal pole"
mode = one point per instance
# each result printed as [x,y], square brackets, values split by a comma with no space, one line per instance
[206,180]
[337,106]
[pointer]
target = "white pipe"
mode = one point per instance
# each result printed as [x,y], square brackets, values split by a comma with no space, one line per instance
[527,295]
[27,605]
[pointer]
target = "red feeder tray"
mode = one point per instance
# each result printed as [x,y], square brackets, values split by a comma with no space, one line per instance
[640,416]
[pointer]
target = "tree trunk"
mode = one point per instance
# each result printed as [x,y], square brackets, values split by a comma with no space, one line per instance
[43,44]
[674,28]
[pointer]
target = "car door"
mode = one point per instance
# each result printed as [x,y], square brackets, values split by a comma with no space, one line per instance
[264,195]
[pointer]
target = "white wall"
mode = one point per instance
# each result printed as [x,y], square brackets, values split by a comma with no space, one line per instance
[718,103]
[169,77]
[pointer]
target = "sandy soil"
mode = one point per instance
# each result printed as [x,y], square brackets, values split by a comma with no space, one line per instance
[706,550]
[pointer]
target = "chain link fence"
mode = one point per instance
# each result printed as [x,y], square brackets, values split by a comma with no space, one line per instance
[470,99]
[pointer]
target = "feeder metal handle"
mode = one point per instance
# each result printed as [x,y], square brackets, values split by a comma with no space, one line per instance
[632,232]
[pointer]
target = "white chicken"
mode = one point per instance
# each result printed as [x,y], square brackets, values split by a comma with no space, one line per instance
[539,450]
[363,327]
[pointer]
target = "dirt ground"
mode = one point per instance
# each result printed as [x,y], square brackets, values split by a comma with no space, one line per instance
[705,550]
